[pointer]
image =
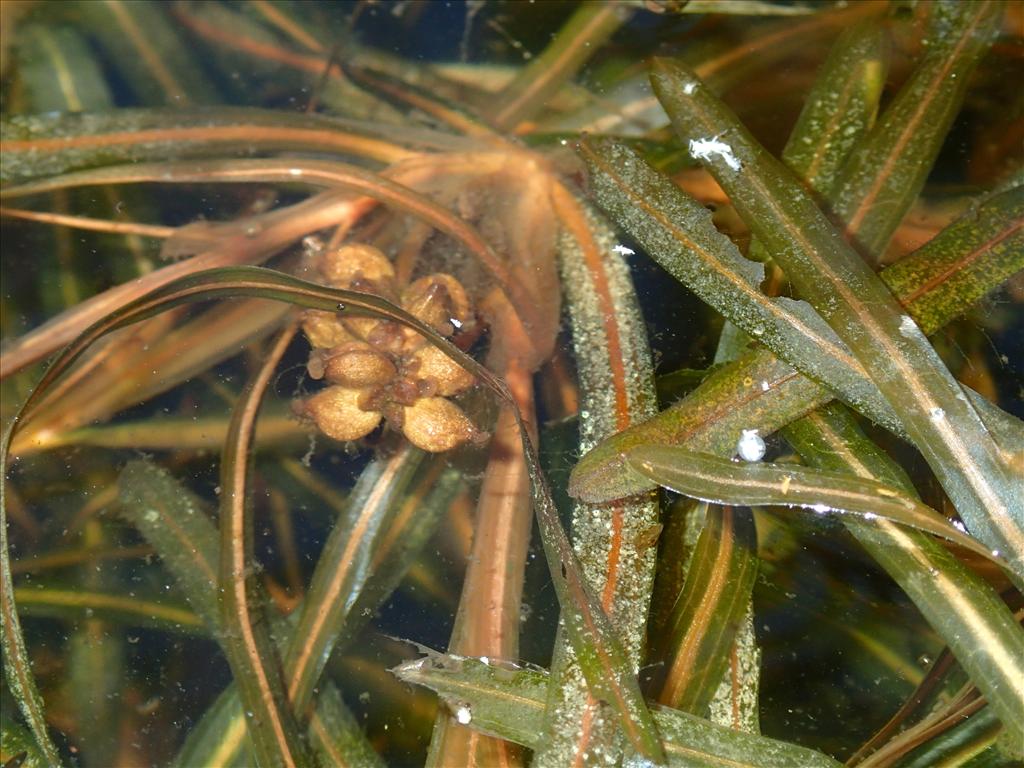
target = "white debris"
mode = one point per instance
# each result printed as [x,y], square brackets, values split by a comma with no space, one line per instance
[703,149]
[689,88]
[312,245]
[751,446]
[937,414]
[623,250]
[463,715]
[907,325]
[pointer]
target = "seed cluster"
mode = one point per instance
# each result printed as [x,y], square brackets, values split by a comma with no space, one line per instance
[379,369]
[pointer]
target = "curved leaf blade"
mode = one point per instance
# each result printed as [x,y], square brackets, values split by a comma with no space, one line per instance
[509,702]
[252,655]
[723,481]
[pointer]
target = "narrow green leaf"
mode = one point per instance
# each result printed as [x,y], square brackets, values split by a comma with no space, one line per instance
[757,391]
[888,168]
[498,698]
[58,71]
[615,379]
[18,748]
[961,743]
[415,522]
[337,736]
[97,661]
[176,523]
[276,429]
[78,604]
[589,27]
[841,106]
[598,651]
[219,738]
[682,524]
[838,111]
[51,144]
[694,645]
[186,290]
[856,304]
[723,481]
[17,666]
[97,653]
[509,702]
[740,8]
[252,655]
[344,567]
[145,46]
[957,267]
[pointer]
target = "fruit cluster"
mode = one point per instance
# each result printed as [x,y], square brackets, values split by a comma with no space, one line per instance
[380,370]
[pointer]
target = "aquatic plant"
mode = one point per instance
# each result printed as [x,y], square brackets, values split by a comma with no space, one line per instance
[450,283]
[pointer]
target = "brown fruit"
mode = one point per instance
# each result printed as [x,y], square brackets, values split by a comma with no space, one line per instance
[359,365]
[435,424]
[437,300]
[357,261]
[337,413]
[324,329]
[448,377]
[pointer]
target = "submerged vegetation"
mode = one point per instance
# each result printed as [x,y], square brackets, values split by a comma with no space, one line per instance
[347,345]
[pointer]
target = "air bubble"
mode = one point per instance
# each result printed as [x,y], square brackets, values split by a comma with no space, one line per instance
[751,446]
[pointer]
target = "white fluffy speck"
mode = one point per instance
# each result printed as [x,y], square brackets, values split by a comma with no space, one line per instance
[463,715]
[751,446]
[703,149]
[623,250]
[937,414]
[689,88]
[764,386]
[820,508]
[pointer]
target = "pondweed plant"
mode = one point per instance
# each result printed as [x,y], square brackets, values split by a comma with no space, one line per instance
[732,249]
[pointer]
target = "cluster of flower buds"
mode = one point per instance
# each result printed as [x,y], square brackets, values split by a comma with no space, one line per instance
[379,369]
